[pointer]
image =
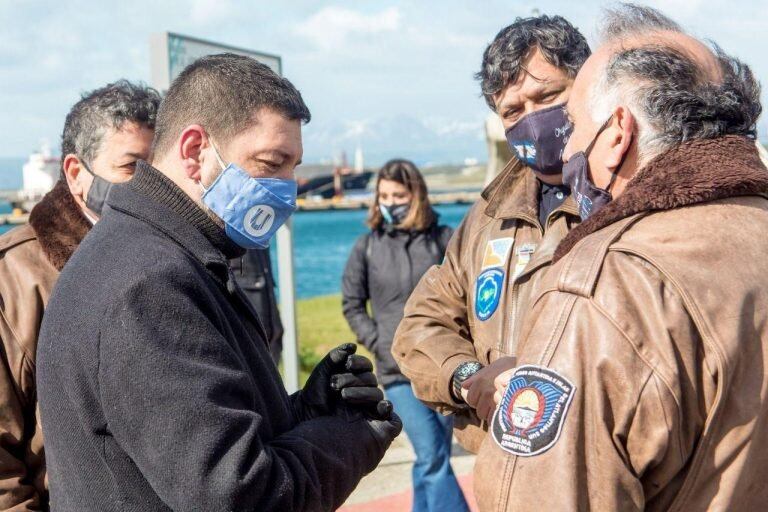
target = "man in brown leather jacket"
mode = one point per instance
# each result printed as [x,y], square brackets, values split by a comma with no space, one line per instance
[105,133]
[641,381]
[461,326]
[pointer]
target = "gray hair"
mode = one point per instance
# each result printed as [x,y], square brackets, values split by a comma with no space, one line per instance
[670,95]
[103,109]
[560,43]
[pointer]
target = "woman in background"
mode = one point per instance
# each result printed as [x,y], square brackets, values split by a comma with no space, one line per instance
[384,268]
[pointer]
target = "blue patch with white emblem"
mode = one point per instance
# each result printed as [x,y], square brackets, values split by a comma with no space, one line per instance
[488,293]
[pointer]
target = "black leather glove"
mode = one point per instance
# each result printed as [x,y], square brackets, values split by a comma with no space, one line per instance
[341,376]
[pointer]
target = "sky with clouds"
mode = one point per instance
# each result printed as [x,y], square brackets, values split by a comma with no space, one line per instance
[400,66]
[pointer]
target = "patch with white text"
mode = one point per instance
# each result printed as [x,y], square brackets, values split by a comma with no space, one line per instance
[496,252]
[524,254]
[532,411]
[488,290]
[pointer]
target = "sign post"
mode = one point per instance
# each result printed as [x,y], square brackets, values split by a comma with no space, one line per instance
[170,54]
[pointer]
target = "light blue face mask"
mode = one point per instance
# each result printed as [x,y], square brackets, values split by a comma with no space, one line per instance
[253,209]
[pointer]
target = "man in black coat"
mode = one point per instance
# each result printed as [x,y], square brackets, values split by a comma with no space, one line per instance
[156,386]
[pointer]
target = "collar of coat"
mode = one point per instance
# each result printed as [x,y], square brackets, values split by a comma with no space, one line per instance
[514,193]
[59,224]
[695,172]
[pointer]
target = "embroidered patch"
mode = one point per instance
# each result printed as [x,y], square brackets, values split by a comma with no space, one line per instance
[531,413]
[524,254]
[488,293]
[496,252]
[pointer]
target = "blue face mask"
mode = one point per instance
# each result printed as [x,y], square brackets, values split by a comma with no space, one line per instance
[252,208]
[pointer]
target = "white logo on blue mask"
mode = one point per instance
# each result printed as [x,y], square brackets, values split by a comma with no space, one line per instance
[253,209]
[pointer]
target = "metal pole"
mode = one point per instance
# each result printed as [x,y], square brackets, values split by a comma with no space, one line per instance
[288,306]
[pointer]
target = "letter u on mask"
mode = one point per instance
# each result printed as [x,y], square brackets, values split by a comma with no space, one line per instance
[253,209]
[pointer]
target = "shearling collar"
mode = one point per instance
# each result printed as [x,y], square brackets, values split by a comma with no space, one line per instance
[694,172]
[59,224]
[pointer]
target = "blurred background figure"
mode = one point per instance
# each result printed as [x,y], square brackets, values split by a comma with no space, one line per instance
[384,267]
[253,272]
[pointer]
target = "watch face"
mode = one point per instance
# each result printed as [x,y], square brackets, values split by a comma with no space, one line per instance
[468,369]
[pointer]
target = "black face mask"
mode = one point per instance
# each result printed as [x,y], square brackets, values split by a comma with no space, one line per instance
[395,214]
[539,138]
[587,195]
[98,192]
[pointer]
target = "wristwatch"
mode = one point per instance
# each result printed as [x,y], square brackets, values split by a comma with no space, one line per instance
[463,372]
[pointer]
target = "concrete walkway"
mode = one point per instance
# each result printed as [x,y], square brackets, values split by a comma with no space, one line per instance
[388,488]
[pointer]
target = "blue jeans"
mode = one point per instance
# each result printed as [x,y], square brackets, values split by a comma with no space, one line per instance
[435,488]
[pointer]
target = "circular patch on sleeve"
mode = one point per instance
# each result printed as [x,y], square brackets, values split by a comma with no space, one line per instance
[488,293]
[531,413]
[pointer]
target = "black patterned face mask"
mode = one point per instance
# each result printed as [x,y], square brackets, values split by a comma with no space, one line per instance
[395,214]
[587,195]
[539,138]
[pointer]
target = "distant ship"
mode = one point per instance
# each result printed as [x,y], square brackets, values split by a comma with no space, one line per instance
[327,186]
[40,174]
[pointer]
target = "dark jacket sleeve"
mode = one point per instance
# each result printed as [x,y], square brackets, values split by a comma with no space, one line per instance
[444,236]
[180,403]
[355,295]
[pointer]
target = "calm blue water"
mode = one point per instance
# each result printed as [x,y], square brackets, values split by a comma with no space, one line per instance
[323,240]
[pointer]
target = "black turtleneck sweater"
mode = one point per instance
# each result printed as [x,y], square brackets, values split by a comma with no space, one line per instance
[156,387]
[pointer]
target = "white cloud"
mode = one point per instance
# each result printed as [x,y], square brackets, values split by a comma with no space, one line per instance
[207,11]
[333,26]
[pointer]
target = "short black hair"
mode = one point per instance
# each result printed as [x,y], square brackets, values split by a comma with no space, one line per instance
[223,93]
[560,43]
[106,108]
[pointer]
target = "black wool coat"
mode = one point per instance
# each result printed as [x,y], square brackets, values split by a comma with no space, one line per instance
[156,386]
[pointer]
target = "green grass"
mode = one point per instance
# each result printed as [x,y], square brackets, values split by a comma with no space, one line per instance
[321,327]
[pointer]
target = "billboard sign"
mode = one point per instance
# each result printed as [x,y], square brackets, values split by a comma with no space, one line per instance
[171,53]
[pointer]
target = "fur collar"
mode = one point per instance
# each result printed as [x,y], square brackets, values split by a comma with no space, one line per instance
[694,172]
[59,224]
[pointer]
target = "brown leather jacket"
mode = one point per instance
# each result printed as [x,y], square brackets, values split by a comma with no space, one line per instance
[31,257]
[649,340]
[443,326]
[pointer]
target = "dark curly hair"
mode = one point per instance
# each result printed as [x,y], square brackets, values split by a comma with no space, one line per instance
[560,43]
[103,109]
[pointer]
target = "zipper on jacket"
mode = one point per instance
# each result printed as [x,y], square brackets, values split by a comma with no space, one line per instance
[505,341]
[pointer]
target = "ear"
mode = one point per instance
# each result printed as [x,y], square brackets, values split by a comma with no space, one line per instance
[622,130]
[192,141]
[72,167]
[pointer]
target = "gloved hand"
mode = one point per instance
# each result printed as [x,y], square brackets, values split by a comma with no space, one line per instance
[381,419]
[341,376]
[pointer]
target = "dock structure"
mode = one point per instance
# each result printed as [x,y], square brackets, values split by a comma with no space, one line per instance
[359,203]
[343,203]
[13,219]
